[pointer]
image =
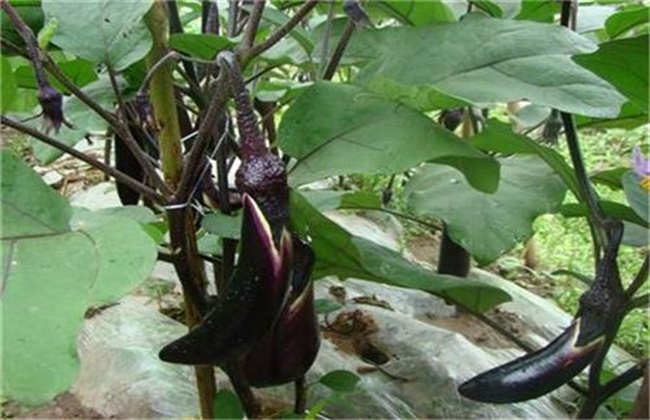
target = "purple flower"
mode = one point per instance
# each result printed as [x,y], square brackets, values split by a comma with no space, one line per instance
[641,167]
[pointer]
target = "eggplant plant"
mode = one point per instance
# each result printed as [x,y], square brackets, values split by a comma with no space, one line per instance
[319,89]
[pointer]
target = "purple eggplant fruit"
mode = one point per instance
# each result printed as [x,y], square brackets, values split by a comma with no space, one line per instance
[535,374]
[251,304]
[290,349]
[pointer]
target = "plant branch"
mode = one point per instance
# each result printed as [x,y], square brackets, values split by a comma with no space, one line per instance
[254,19]
[588,410]
[119,176]
[279,33]
[340,49]
[187,262]
[205,133]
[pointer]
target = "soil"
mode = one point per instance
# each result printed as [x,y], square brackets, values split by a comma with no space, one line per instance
[64,406]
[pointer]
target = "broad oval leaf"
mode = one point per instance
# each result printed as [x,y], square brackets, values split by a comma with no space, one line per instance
[103,31]
[344,255]
[484,60]
[487,225]
[334,129]
[623,63]
[51,276]
[29,206]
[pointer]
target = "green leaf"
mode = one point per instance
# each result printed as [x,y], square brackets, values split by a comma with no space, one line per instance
[340,380]
[538,10]
[490,60]
[623,63]
[636,195]
[51,275]
[333,200]
[47,32]
[102,31]
[32,15]
[41,211]
[227,405]
[610,208]
[347,256]
[631,116]
[498,137]
[487,225]
[331,126]
[223,225]
[9,88]
[613,178]
[623,21]
[412,12]
[203,46]
[325,306]
[635,235]
[82,118]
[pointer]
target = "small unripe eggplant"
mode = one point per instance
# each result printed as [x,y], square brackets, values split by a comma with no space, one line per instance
[251,304]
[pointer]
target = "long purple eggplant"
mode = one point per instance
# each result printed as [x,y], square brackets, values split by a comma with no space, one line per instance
[290,349]
[251,304]
[535,374]
[539,373]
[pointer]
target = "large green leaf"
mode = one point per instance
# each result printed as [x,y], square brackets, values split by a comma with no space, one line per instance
[623,63]
[334,129]
[347,256]
[103,31]
[82,118]
[483,60]
[487,225]
[538,10]
[51,275]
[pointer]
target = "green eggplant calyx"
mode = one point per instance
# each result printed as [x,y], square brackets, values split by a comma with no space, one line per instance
[534,374]
[251,304]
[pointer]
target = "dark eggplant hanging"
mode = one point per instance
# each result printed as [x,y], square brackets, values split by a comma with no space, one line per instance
[538,373]
[251,303]
[290,349]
